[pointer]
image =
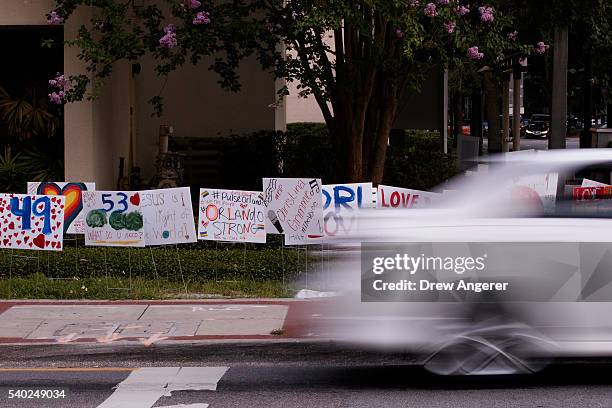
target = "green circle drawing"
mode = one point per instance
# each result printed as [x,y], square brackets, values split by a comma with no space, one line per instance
[117,220]
[96,218]
[133,221]
[165,234]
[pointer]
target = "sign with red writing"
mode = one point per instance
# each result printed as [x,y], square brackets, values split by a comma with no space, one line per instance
[592,193]
[396,197]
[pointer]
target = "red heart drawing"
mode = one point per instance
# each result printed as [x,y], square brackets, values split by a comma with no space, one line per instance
[12,225]
[5,241]
[39,241]
[18,242]
[26,238]
[135,199]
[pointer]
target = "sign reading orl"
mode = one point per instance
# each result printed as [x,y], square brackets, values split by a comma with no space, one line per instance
[293,205]
[231,215]
[113,218]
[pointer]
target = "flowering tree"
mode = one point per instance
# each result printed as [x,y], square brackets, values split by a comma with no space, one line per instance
[357,58]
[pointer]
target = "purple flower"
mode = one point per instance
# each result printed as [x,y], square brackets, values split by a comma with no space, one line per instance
[513,36]
[399,33]
[55,18]
[169,39]
[443,2]
[55,97]
[194,4]
[474,54]
[431,10]
[61,83]
[414,3]
[201,18]
[462,10]
[542,47]
[450,27]
[486,14]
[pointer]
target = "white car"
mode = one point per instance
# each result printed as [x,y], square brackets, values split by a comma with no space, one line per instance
[538,237]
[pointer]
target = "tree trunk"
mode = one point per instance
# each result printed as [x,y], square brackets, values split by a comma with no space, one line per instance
[558,119]
[492,93]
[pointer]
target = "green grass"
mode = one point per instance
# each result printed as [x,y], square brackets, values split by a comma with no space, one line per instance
[202,270]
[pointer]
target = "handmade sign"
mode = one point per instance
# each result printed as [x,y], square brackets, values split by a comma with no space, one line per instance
[396,197]
[32,221]
[74,222]
[592,193]
[540,190]
[341,202]
[293,205]
[301,239]
[592,183]
[231,215]
[113,218]
[168,216]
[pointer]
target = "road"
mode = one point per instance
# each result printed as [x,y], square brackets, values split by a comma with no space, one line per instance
[542,144]
[277,374]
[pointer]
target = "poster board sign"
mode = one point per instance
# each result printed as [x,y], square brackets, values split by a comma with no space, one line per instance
[168,216]
[33,222]
[396,197]
[113,218]
[541,189]
[581,194]
[293,205]
[300,239]
[231,215]
[592,183]
[341,203]
[74,221]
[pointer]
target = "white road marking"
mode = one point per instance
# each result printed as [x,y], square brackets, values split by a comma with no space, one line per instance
[143,387]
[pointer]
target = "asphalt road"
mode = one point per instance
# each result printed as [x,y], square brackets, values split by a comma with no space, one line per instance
[542,144]
[288,374]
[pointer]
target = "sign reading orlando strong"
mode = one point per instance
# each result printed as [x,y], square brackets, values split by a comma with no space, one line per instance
[231,215]
[293,205]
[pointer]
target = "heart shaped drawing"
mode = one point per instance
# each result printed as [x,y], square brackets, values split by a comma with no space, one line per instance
[73,198]
[39,241]
[135,199]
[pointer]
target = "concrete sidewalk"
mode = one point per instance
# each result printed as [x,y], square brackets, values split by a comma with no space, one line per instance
[149,322]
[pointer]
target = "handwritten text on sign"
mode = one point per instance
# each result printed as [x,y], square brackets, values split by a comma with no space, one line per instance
[341,202]
[31,221]
[113,218]
[74,221]
[293,205]
[231,215]
[168,216]
[396,197]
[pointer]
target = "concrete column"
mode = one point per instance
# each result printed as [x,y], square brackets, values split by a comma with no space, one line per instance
[516,112]
[505,113]
[558,122]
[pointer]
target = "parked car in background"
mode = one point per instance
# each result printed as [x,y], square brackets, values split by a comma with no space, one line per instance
[538,127]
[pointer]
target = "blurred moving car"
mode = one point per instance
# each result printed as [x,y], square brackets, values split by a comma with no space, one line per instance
[525,198]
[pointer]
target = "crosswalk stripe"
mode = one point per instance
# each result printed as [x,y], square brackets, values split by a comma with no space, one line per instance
[143,387]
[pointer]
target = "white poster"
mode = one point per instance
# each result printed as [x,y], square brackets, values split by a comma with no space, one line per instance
[301,239]
[396,197]
[231,215]
[168,216]
[113,218]
[32,221]
[293,205]
[74,222]
[592,183]
[341,203]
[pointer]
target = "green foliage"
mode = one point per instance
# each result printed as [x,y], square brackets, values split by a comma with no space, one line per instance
[11,173]
[419,164]
[27,117]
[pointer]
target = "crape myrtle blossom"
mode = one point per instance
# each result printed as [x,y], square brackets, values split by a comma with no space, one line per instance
[513,36]
[399,33]
[431,10]
[55,18]
[60,85]
[414,3]
[542,47]
[486,14]
[169,39]
[474,54]
[443,2]
[462,10]
[450,27]
[194,4]
[201,18]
